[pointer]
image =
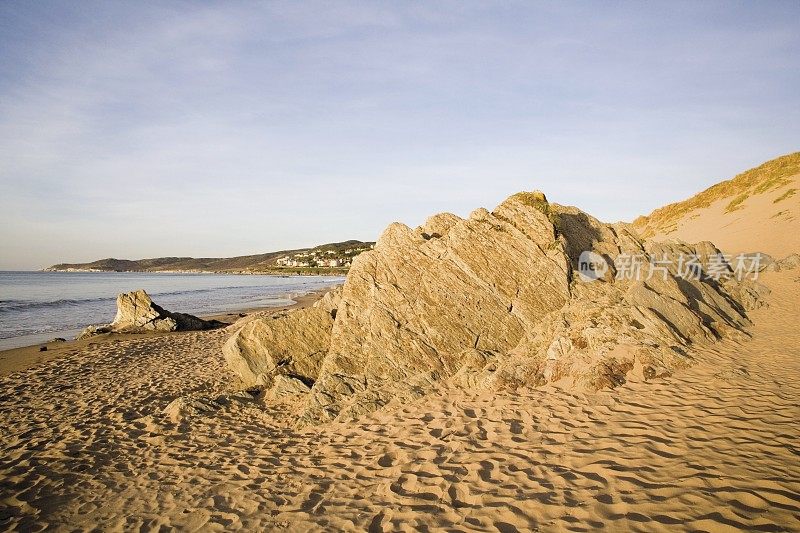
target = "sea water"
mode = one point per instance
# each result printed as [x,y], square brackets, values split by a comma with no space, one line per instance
[37,306]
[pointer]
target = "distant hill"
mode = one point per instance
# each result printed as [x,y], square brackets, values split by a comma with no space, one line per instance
[758,210]
[245,263]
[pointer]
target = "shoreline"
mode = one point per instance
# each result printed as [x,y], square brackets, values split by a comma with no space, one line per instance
[24,357]
[288,272]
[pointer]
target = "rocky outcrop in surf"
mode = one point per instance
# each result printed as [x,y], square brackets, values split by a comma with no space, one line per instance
[136,313]
[499,300]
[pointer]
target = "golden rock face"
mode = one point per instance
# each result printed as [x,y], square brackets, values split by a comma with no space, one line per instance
[488,302]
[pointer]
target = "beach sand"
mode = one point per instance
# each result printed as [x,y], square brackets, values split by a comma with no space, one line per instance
[713,448]
[16,359]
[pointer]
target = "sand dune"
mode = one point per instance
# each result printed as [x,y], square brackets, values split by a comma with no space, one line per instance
[761,224]
[757,210]
[714,447]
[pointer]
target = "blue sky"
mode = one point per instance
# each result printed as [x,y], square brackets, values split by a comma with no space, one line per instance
[134,129]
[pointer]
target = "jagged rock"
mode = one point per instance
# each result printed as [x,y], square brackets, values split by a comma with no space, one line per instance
[136,313]
[489,302]
[286,387]
[751,294]
[789,262]
[292,345]
[765,261]
[768,264]
[475,366]
[91,331]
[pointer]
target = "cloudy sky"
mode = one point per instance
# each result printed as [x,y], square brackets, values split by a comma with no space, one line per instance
[132,129]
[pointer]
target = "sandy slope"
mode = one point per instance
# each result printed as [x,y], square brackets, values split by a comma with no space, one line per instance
[757,210]
[713,448]
[761,224]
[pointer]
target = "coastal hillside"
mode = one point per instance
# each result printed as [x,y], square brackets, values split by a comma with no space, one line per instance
[329,256]
[757,210]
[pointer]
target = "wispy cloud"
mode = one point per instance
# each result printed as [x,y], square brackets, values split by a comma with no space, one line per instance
[151,129]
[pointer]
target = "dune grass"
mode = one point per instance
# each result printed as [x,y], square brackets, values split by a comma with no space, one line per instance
[784,196]
[764,178]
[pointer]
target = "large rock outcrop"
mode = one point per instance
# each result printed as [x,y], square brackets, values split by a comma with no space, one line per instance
[492,301]
[136,313]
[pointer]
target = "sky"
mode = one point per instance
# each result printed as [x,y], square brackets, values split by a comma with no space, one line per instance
[148,129]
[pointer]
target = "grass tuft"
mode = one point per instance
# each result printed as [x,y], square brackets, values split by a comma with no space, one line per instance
[784,196]
[736,203]
[538,201]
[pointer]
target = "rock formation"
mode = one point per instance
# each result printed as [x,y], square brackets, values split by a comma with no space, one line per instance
[136,313]
[291,345]
[787,263]
[790,262]
[492,301]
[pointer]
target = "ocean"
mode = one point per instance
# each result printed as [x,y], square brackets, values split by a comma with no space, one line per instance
[38,306]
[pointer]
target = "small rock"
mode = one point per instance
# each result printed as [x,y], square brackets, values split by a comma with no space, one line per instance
[193,405]
[765,262]
[287,387]
[789,262]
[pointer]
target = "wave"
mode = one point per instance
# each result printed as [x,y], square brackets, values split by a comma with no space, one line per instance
[27,305]
[52,330]
[24,305]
